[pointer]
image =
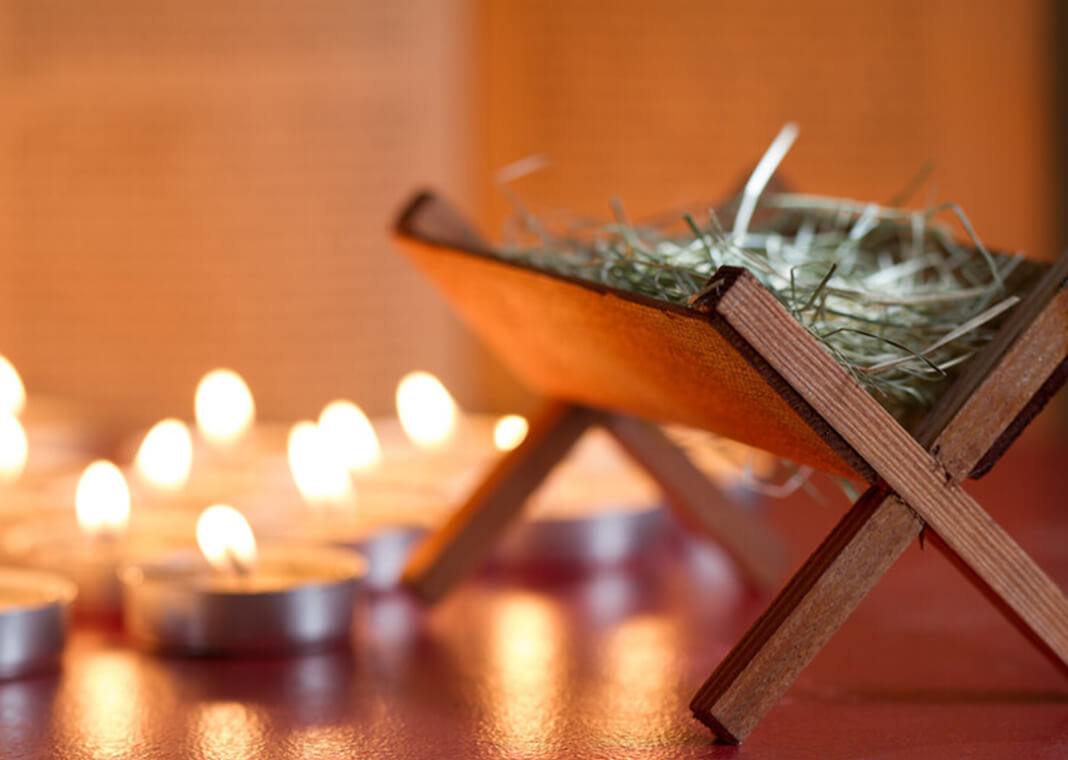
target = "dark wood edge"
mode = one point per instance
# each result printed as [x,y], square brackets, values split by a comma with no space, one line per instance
[706,302]
[1037,403]
[852,523]
[421,219]
[980,367]
[428,218]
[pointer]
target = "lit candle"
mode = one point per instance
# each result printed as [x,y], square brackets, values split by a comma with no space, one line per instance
[18,498]
[225,460]
[346,430]
[51,435]
[89,545]
[381,521]
[510,431]
[12,391]
[33,620]
[431,446]
[102,501]
[426,410]
[319,468]
[224,408]
[233,451]
[13,448]
[165,457]
[175,470]
[235,597]
[596,507]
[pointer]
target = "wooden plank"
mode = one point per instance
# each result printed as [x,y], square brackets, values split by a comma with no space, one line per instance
[806,613]
[471,532]
[469,535]
[873,534]
[756,551]
[609,349]
[913,473]
[1034,359]
[1021,318]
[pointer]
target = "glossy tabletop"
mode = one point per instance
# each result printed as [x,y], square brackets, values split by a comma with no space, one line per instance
[568,664]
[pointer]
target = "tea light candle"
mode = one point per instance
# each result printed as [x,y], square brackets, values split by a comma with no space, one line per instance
[89,546]
[12,391]
[229,437]
[596,508]
[15,499]
[430,444]
[224,408]
[234,598]
[164,475]
[53,434]
[14,449]
[33,620]
[380,521]
[226,458]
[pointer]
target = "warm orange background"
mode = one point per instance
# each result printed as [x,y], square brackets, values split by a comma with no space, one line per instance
[192,184]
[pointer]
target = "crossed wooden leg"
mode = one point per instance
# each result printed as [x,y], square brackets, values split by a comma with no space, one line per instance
[878,528]
[469,535]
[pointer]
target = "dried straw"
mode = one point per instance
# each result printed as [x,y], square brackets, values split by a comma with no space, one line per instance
[889,291]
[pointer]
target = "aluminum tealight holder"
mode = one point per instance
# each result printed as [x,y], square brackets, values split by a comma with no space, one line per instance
[296,599]
[34,610]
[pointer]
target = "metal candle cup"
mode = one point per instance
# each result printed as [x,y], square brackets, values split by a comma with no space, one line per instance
[598,539]
[33,620]
[295,599]
[596,509]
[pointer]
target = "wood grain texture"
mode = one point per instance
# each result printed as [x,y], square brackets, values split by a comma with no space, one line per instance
[753,677]
[758,553]
[471,532]
[861,548]
[613,350]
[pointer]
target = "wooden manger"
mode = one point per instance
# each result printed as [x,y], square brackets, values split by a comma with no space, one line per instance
[739,365]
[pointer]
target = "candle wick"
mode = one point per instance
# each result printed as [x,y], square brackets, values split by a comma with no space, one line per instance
[105,536]
[238,567]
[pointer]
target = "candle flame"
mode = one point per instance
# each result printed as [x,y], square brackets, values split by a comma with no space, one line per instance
[224,407]
[510,431]
[426,410]
[319,472]
[347,431]
[225,538]
[12,392]
[13,448]
[166,455]
[102,501]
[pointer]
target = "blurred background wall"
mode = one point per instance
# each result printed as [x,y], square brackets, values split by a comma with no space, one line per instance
[195,184]
[185,185]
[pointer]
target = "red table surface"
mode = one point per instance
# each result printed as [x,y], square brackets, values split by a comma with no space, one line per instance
[585,665]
